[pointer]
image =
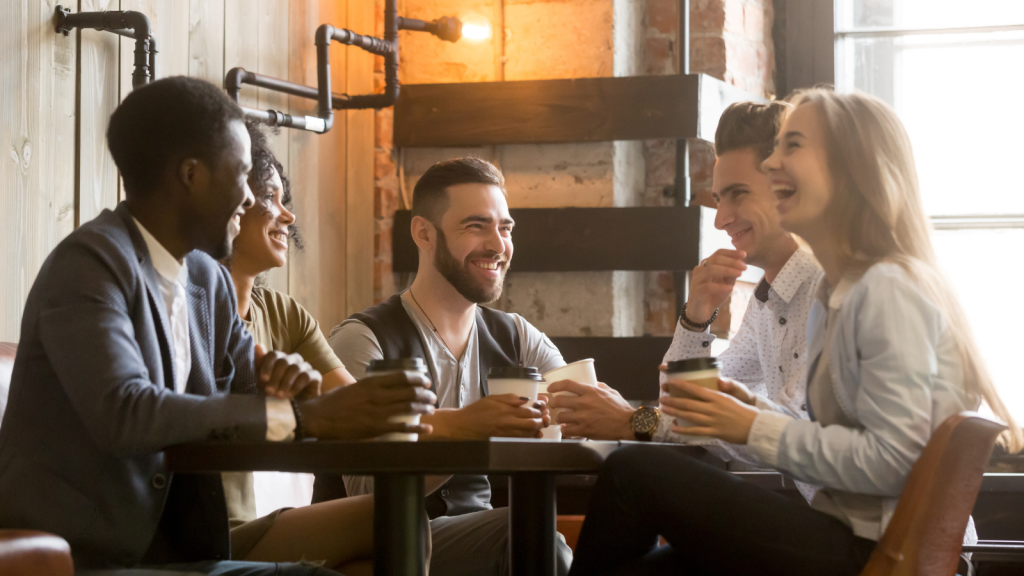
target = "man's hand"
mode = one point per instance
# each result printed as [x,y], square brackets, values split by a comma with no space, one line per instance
[596,412]
[286,375]
[712,282]
[361,410]
[710,413]
[504,415]
[737,390]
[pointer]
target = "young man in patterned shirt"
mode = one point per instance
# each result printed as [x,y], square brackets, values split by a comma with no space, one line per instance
[767,353]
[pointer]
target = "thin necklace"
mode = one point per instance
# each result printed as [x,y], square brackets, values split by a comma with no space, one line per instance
[427,316]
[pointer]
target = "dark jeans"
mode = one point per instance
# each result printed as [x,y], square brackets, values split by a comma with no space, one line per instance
[223,568]
[714,522]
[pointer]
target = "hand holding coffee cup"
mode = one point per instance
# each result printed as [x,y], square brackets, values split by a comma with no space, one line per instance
[392,366]
[581,371]
[700,406]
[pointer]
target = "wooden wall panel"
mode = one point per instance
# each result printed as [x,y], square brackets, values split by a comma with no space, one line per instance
[303,150]
[53,178]
[359,168]
[206,40]
[241,42]
[273,62]
[331,210]
[37,136]
[99,57]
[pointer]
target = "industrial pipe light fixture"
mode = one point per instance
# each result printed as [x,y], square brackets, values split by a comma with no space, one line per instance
[445,28]
[475,28]
[127,23]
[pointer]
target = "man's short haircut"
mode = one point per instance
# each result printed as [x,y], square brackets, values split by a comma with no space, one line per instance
[750,125]
[430,196]
[167,121]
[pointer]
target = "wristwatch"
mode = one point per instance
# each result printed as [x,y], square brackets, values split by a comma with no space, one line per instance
[644,423]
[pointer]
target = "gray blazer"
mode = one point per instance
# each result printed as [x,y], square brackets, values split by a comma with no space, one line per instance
[92,400]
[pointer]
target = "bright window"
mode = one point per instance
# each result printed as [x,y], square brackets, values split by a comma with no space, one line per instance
[951,71]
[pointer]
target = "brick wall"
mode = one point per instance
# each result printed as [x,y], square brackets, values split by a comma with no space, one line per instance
[730,39]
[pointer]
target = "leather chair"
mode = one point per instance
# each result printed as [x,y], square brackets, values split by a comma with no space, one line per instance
[925,535]
[27,552]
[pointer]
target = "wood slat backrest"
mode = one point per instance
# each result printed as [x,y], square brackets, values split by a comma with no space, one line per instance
[927,529]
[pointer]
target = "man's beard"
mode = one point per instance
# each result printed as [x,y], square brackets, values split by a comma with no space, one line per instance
[461,277]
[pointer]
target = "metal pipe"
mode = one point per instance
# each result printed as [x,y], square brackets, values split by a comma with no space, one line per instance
[237,76]
[125,23]
[327,101]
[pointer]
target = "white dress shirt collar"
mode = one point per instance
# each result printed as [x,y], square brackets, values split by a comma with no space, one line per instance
[165,264]
[800,268]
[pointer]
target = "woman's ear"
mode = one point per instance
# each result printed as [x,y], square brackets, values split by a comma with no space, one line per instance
[423,233]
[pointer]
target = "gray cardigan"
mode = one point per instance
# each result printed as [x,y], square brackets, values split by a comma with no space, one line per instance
[92,401]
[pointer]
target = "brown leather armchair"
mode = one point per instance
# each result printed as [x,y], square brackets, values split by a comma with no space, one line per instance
[27,552]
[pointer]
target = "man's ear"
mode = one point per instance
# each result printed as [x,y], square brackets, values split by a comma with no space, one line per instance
[424,234]
[192,174]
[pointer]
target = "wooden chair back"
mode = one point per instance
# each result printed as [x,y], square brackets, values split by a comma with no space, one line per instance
[927,528]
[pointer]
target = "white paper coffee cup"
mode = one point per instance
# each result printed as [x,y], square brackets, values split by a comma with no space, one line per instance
[391,366]
[521,381]
[581,371]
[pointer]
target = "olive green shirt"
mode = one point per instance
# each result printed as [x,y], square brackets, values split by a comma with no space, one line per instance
[277,322]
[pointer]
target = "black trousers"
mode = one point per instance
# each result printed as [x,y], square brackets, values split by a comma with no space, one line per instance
[714,522]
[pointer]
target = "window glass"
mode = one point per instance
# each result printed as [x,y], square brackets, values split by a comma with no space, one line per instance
[989,290]
[903,14]
[960,103]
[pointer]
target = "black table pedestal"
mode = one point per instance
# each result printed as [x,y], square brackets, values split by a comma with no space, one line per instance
[399,525]
[532,528]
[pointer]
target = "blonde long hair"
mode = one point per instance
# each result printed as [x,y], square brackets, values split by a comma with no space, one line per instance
[877,213]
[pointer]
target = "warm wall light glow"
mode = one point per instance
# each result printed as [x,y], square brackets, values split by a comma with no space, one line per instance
[475,28]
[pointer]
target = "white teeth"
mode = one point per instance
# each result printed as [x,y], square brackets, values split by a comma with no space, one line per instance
[487,265]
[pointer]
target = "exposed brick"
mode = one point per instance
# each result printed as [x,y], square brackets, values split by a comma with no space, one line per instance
[663,16]
[384,128]
[707,16]
[707,56]
[659,56]
[734,16]
[753,22]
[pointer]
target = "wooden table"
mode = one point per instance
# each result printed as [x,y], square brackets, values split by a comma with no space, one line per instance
[398,469]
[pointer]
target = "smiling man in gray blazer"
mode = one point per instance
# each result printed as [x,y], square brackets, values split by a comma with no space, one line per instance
[130,343]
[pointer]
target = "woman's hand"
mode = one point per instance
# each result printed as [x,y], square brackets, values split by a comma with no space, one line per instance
[710,413]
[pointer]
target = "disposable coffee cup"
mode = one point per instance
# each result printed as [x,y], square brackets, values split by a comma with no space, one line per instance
[700,371]
[581,371]
[522,381]
[391,366]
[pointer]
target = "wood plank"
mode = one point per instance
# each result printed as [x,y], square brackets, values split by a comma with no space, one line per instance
[206,40]
[100,57]
[586,239]
[331,208]
[241,43]
[547,111]
[169,20]
[273,62]
[303,152]
[37,133]
[359,169]
[629,365]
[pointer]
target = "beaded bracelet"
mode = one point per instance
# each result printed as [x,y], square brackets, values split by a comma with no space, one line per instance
[694,325]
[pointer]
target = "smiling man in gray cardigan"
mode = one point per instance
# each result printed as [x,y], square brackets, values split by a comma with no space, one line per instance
[130,343]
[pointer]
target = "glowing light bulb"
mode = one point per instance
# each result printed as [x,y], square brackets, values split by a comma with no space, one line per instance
[475,28]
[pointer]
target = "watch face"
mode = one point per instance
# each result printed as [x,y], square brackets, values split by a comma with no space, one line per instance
[645,421]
